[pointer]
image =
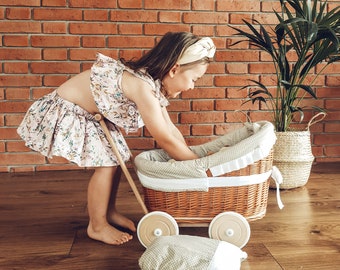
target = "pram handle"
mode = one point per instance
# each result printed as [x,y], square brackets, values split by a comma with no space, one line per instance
[98,117]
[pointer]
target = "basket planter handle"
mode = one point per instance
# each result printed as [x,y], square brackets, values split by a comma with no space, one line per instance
[314,119]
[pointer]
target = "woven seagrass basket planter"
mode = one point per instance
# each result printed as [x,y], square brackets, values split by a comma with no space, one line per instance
[293,155]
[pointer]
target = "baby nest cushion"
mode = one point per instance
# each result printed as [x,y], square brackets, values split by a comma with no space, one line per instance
[185,252]
[232,151]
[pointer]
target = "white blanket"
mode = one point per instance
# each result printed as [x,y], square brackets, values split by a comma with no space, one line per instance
[185,252]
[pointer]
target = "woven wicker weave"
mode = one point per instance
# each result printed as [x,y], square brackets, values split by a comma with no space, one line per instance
[199,207]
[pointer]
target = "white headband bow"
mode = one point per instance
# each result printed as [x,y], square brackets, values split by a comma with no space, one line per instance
[204,47]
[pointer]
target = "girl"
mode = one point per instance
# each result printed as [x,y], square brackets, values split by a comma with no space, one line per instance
[129,94]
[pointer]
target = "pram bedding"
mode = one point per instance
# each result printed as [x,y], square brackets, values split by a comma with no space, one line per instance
[231,152]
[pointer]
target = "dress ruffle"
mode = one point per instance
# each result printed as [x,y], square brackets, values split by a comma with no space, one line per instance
[56,127]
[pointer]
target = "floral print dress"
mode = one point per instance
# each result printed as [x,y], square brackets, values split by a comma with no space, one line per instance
[56,127]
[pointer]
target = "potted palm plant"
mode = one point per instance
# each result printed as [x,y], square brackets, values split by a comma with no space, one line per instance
[306,35]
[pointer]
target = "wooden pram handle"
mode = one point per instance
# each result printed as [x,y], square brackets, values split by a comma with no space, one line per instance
[98,117]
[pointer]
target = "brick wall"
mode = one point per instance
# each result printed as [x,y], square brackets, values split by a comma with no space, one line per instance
[45,42]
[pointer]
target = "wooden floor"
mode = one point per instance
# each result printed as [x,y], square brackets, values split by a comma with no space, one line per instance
[43,223]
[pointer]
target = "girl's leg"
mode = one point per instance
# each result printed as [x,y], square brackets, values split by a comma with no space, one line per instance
[113,216]
[98,197]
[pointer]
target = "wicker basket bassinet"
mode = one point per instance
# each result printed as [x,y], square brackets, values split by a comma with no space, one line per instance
[234,178]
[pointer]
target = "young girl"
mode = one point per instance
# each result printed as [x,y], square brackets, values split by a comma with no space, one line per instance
[129,94]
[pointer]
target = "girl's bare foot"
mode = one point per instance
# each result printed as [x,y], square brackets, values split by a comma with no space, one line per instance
[108,234]
[117,219]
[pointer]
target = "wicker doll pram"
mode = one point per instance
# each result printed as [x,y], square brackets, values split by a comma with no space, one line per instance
[232,182]
[234,178]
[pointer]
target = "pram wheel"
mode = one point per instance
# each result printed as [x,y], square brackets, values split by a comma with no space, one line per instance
[155,224]
[230,227]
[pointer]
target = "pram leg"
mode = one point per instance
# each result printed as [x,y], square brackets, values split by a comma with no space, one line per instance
[121,162]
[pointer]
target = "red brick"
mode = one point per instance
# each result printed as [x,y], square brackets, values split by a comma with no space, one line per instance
[2,147]
[13,107]
[55,67]
[234,80]
[130,3]
[201,117]
[130,42]
[55,41]
[95,28]
[17,93]
[18,146]
[329,139]
[20,27]
[92,41]
[130,29]
[225,128]
[54,27]
[54,3]
[96,15]
[216,68]
[203,105]
[57,167]
[203,5]
[203,30]
[18,13]
[237,68]
[205,93]
[20,54]
[22,80]
[57,14]
[2,93]
[170,16]
[266,19]
[332,127]
[332,151]
[333,68]
[237,56]
[140,143]
[133,16]
[92,4]
[171,5]
[260,68]
[16,67]
[89,53]
[237,18]
[15,40]
[15,159]
[20,2]
[179,105]
[333,104]
[231,5]
[198,130]
[205,17]
[270,6]
[55,54]
[332,80]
